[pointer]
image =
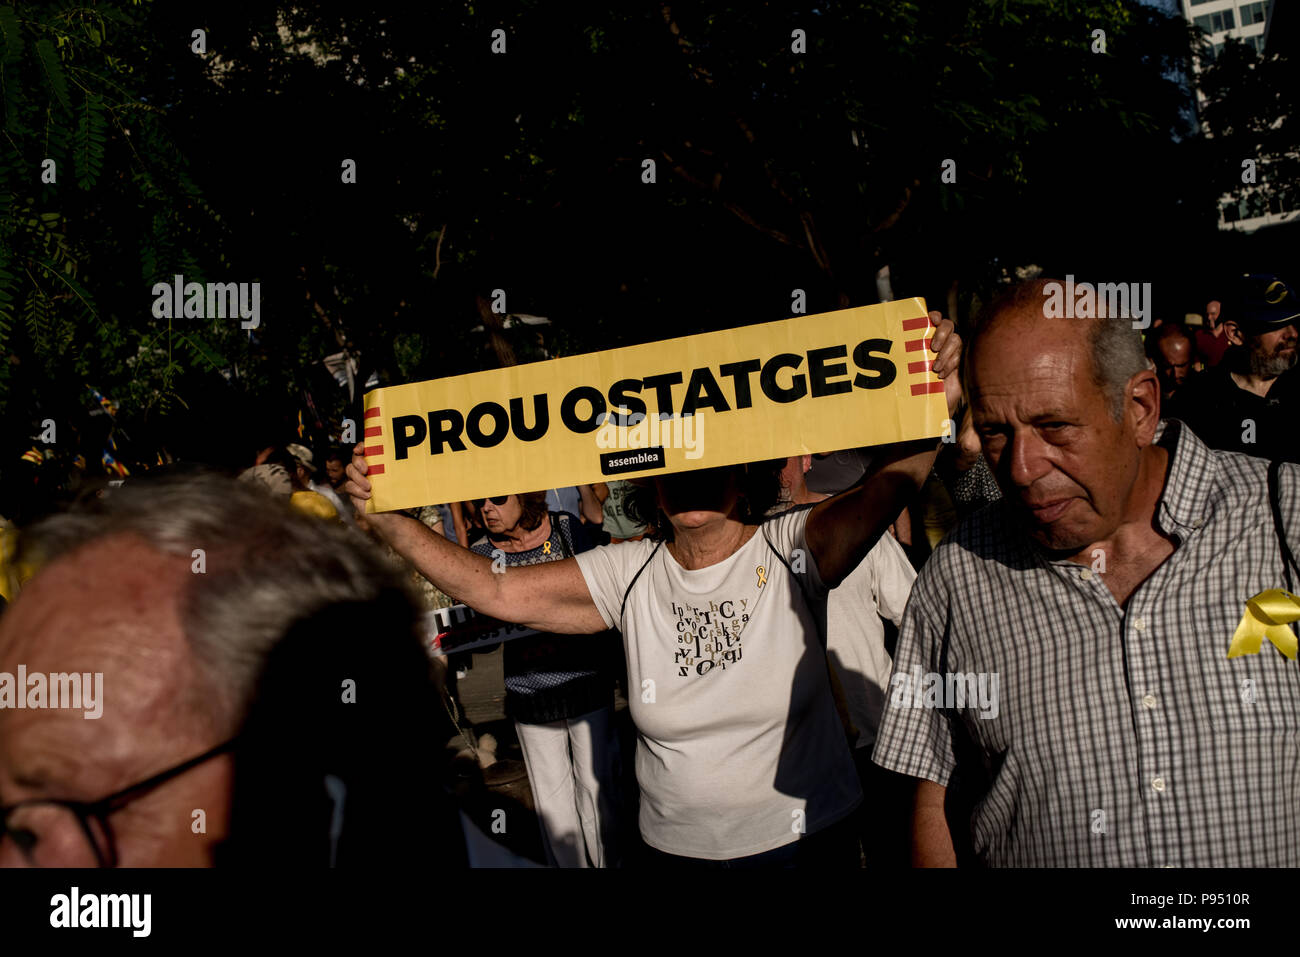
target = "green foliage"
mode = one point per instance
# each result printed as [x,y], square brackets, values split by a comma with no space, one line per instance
[1252,112]
[478,171]
[90,141]
[70,302]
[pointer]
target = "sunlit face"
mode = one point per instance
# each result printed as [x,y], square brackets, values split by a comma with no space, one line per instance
[501,519]
[1046,431]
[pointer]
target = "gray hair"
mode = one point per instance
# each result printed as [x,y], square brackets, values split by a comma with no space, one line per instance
[267,567]
[1117,356]
[1115,346]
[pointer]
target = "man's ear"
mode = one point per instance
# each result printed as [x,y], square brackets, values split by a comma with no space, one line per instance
[1144,405]
[805,463]
[1233,332]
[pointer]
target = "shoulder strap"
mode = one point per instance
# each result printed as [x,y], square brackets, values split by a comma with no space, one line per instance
[623,608]
[561,521]
[1275,501]
[822,626]
[781,558]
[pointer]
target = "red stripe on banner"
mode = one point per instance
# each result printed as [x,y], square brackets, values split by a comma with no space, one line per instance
[920,389]
[923,322]
[372,413]
[374,430]
[375,470]
[916,345]
[370,450]
[922,366]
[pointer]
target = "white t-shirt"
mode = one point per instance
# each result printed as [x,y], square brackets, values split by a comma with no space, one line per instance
[856,637]
[739,748]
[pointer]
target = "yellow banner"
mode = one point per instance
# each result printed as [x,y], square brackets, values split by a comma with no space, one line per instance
[837,380]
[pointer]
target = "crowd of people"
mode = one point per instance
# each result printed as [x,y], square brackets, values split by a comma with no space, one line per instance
[1008,647]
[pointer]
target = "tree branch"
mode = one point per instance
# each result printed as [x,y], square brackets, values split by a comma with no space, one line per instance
[893,217]
[814,246]
[437,251]
[735,208]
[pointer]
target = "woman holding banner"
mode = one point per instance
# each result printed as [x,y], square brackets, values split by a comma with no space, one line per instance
[741,759]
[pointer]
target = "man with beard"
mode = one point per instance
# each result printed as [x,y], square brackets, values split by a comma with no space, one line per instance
[1249,402]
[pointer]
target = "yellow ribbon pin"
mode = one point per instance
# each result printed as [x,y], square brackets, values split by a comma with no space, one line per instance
[546,547]
[1266,616]
[762,576]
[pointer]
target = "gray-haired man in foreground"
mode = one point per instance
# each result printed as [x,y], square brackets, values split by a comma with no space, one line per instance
[1100,597]
[241,717]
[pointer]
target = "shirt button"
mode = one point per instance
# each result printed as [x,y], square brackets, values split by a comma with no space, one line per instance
[1140,624]
[1158,784]
[1086,574]
[1148,701]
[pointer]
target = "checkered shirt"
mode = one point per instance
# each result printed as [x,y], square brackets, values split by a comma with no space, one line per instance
[1124,737]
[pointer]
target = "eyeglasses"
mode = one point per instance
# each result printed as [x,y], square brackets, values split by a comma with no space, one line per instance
[497,500]
[55,833]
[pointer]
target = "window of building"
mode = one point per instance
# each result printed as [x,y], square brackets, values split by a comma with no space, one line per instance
[1252,13]
[1216,22]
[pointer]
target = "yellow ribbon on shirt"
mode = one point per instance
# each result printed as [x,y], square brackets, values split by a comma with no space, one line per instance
[1267,615]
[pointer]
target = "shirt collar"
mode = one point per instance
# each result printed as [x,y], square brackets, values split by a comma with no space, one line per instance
[1185,500]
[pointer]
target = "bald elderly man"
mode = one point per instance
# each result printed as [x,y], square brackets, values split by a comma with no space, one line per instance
[220,628]
[1062,684]
[1173,351]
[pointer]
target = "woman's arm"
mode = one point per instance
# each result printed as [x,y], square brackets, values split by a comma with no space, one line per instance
[548,597]
[593,511]
[841,530]
[458,523]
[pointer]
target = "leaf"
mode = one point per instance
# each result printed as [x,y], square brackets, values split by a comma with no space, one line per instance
[11,37]
[203,351]
[90,142]
[36,317]
[8,286]
[54,73]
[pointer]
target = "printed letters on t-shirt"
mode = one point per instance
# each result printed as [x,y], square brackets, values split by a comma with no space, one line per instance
[709,637]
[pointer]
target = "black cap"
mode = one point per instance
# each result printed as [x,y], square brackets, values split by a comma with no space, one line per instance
[1265,302]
